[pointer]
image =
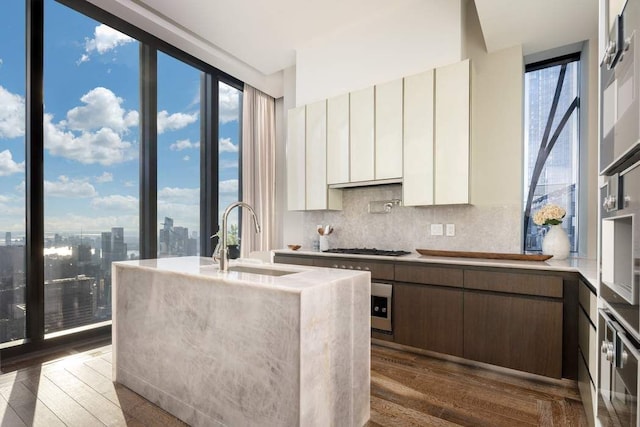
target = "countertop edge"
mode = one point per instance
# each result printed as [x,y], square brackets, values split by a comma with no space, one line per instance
[586,267]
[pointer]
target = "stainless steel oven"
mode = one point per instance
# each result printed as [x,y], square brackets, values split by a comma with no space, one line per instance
[620,90]
[381,303]
[620,246]
[618,372]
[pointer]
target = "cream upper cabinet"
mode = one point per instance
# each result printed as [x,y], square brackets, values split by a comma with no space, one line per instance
[361,131]
[296,162]
[316,156]
[452,114]
[417,182]
[338,139]
[388,130]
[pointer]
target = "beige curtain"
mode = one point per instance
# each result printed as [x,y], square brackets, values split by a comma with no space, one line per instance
[258,169]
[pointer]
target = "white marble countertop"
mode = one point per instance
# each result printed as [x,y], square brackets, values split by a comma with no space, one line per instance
[586,267]
[301,277]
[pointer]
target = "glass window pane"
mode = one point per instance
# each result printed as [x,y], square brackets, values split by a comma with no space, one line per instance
[178,157]
[12,170]
[230,100]
[557,181]
[90,164]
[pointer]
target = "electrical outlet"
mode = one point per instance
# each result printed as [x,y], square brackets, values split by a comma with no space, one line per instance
[451,230]
[436,230]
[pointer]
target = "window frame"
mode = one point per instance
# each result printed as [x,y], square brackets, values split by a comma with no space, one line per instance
[34,158]
[561,60]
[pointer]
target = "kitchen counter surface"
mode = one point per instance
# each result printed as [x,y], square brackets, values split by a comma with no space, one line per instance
[586,267]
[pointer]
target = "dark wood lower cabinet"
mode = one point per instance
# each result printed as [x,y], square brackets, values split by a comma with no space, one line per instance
[428,317]
[518,332]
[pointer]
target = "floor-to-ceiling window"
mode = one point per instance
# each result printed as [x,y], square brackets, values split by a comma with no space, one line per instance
[229,124]
[178,128]
[12,170]
[551,145]
[90,164]
[101,124]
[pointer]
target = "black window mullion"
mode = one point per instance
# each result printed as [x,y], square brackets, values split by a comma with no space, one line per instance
[209,134]
[34,176]
[148,152]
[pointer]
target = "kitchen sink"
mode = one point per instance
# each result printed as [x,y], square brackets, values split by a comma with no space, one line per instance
[260,270]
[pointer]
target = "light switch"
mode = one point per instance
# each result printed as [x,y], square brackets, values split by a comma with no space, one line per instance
[451,230]
[436,229]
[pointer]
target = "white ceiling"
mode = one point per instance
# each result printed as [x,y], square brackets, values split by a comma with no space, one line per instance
[537,25]
[266,34]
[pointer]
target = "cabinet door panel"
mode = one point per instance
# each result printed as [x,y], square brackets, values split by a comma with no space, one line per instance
[452,134]
[428,317]
[388,135]
[417,175]
[515,332]
[316,156]
[338,139]
[361,128]
[296,162]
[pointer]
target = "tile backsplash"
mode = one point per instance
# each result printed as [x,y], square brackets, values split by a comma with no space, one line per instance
[477,228]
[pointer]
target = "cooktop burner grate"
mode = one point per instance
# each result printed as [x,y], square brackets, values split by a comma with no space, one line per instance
[366,251]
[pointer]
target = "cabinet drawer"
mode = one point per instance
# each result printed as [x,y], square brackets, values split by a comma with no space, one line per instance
[297,260]
[514,283]
[588,342]
[429,275]
[588,301]
[379,270]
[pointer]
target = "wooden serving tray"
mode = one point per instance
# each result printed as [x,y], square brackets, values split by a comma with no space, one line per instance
[487,255]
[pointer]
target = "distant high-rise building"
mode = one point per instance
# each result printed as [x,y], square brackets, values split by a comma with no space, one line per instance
[165,237]
[57,240]
[118,247]
[7,238]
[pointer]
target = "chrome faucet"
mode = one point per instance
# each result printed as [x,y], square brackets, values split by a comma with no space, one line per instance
[223,250]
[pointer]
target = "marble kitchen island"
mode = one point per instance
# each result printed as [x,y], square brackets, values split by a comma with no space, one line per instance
[244,348]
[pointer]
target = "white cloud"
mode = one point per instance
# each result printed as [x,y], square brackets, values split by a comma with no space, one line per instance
[12,110]
[116,202]
[69,188]
[228,186]
[1,62]
[179,195]
[186,158]
[228,164]
[102,109]
[104,39]
[8,166]
[229,103]
[104,146]
[175,121]
[226,146]
[129,184]
[105,177]
[183,144]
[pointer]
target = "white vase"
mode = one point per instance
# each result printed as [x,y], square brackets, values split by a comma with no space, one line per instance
[556,242]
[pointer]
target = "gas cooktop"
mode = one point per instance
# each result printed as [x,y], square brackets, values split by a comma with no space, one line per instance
[366,251]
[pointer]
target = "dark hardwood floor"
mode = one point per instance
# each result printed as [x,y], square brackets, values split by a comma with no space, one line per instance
[406,390]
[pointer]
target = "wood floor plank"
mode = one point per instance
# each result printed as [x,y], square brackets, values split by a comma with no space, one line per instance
[31,410]
[68,410]
[101,366]
[100,407]
[8,416]
[407,389]
[384,412]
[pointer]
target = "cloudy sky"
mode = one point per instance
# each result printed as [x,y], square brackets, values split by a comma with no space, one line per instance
[92,133]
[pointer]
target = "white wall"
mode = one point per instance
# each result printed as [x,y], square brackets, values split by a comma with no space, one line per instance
[397,42]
